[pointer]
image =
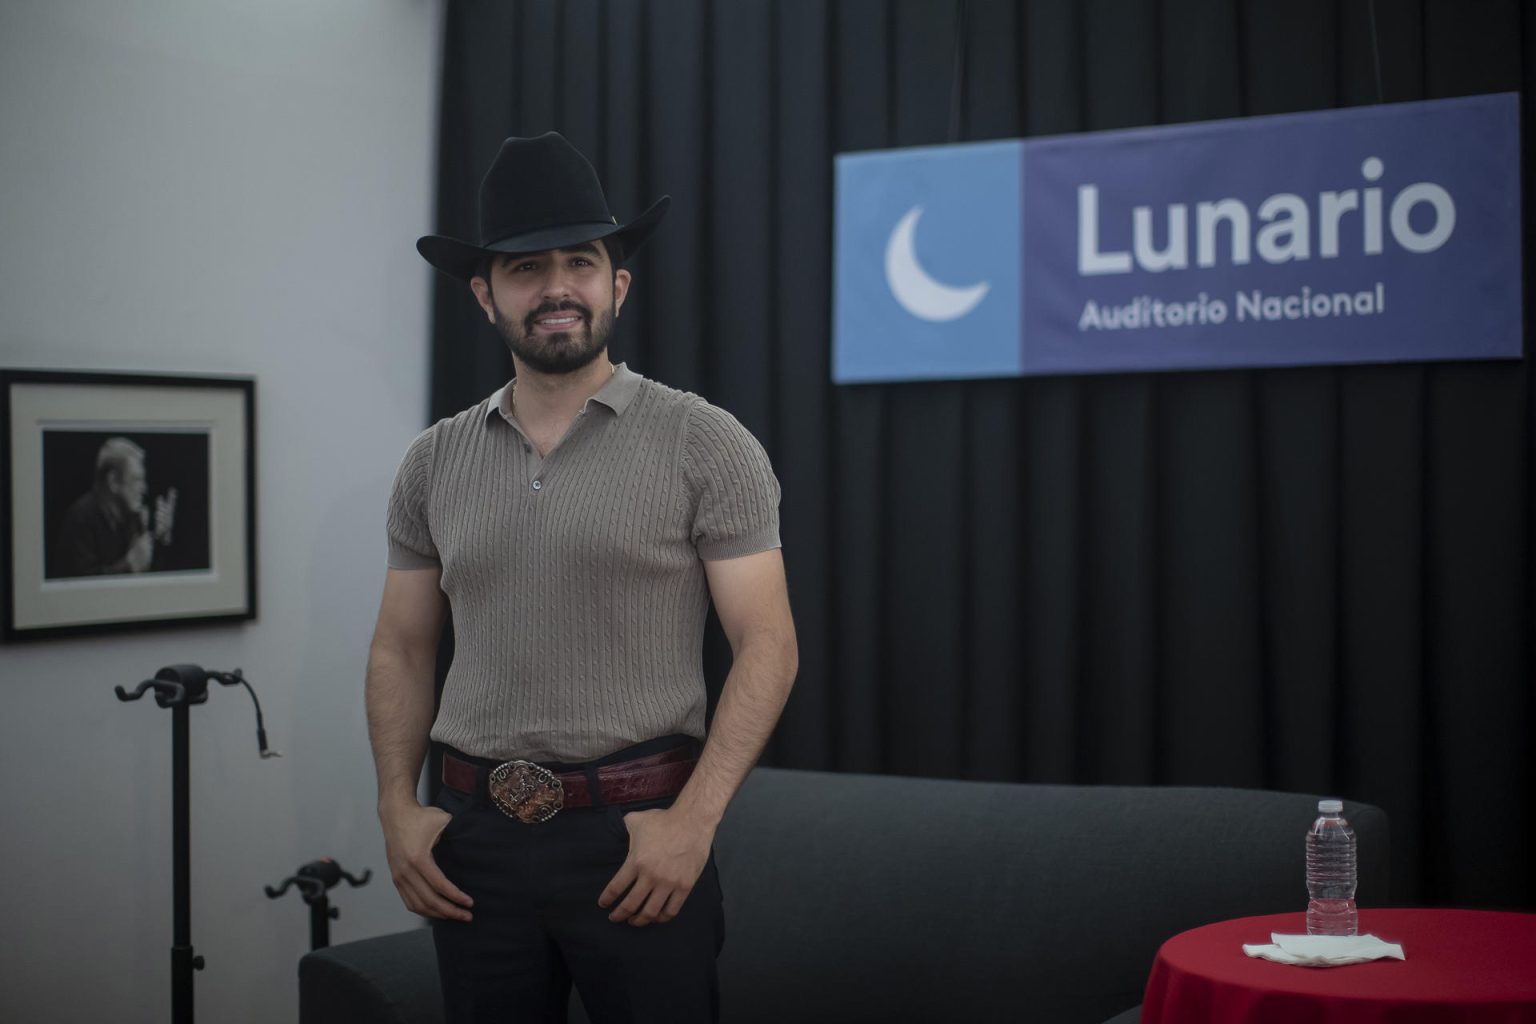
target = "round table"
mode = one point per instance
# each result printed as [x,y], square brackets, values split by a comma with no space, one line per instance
[1471,966]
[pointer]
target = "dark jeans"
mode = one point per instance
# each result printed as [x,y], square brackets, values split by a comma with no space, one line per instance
[537,927]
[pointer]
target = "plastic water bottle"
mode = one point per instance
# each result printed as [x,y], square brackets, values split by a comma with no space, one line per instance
[1331,875]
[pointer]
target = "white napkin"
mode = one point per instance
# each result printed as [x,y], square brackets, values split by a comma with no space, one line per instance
[1325,950]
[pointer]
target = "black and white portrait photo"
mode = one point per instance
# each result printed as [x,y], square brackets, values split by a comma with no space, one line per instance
[124,503]
[129,501]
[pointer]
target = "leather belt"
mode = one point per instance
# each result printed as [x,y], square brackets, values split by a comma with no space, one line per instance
[532,793]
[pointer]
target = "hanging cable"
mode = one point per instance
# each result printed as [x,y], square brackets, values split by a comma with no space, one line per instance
[230,679]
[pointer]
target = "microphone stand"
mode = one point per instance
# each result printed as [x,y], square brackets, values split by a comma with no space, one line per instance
[178,687]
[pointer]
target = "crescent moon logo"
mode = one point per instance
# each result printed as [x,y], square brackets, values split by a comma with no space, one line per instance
[918,293]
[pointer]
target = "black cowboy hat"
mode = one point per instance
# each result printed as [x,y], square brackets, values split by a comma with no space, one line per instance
[539,194]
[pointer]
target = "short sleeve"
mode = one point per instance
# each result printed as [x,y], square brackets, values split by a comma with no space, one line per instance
[734,494]
[410,532]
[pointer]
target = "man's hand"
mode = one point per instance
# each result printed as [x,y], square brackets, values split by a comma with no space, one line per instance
[140,553]
[667,853]
[165,516]
[410,832]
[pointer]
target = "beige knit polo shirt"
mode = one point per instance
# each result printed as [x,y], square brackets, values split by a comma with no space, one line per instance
[577,580]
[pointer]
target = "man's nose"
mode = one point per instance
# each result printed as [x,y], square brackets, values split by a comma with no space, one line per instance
[557,283]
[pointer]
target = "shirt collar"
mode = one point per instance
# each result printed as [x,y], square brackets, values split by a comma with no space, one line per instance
[616,394]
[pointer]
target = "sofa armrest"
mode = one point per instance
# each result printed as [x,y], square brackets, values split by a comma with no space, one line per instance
[388,980]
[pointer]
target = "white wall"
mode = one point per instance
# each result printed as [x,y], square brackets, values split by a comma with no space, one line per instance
[221,187]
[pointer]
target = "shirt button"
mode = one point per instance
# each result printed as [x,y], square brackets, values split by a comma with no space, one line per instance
[538,485]
[527,447]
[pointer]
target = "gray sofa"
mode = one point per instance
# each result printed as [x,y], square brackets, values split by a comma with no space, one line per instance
[854,898]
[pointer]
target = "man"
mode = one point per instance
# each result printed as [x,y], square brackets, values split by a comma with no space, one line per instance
[577,522]
[106,531]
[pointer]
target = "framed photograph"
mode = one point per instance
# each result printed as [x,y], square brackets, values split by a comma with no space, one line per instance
[128,501]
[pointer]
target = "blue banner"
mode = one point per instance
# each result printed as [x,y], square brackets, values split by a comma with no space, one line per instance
[1371,234]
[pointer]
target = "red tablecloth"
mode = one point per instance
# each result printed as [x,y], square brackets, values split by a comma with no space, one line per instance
[1472,966]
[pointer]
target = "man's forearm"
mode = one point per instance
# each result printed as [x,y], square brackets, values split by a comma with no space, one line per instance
[750,704]
[399,701]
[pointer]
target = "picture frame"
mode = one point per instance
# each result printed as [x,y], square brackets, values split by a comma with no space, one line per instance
[127,501]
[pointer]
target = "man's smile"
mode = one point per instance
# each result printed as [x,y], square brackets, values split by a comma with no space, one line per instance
[557,321]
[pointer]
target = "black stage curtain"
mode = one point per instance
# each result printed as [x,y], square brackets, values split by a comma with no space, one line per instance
[1303,579]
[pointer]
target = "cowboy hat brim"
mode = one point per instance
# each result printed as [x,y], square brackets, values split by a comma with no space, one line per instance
[461,259]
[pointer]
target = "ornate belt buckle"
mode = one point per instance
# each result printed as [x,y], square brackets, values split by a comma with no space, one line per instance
[527,792]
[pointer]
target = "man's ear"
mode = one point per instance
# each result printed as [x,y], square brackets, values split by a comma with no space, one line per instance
[482,289]
[620,289]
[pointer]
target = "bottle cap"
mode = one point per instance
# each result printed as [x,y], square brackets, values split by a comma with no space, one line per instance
[1330,806]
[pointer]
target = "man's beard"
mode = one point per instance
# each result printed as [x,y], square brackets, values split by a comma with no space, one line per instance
[559,351]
